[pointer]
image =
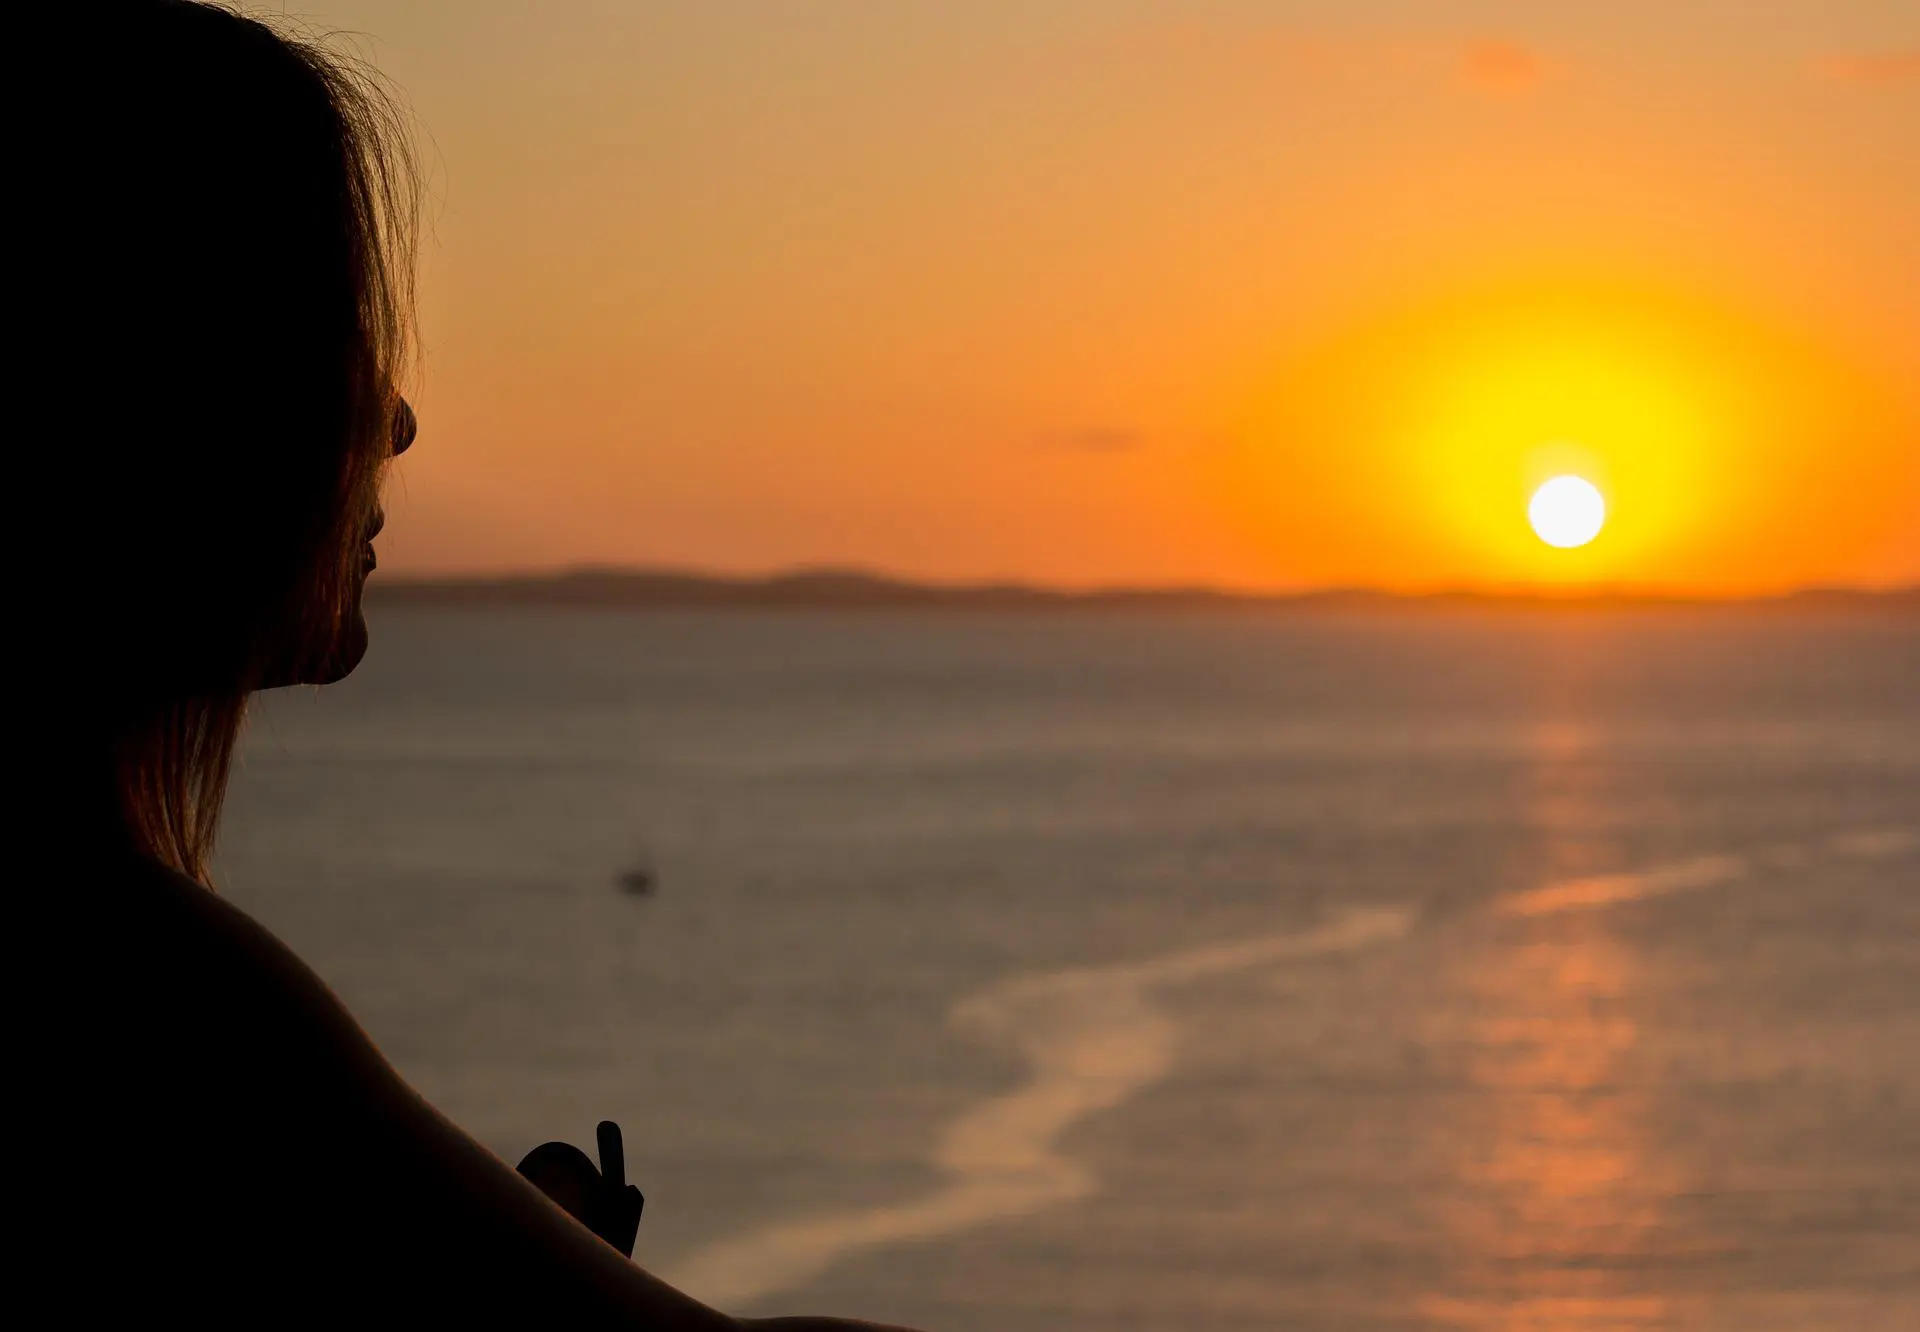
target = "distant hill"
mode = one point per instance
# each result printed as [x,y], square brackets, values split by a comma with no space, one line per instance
[848,589]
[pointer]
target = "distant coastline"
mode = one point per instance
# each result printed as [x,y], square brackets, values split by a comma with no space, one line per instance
[852,589]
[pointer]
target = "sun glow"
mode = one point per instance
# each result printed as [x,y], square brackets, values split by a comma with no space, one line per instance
[1567,512]
[1710,437]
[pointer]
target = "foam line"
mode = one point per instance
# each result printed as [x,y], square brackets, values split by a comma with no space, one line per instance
[1091,1039]
[1605,890]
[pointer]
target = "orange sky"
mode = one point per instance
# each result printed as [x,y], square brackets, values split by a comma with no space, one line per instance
[1108,291]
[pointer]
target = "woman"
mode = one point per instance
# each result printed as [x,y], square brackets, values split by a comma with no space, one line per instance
[217,277]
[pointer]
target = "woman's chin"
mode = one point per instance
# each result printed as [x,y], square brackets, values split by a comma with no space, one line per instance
[347,651]
[331,667]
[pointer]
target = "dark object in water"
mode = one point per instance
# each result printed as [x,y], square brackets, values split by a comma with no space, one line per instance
[637,882]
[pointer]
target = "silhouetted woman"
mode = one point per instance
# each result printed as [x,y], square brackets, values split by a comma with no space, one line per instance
[215,280]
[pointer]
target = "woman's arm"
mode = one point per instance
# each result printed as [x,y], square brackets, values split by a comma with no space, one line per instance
[472,1236]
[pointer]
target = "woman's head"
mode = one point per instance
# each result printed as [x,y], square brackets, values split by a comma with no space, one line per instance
[226,300]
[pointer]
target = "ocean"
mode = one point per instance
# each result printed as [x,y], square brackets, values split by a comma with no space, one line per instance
[1492,969]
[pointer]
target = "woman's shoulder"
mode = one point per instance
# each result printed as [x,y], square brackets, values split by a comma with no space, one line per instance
[158,973]
[212,1089]
[188,930]
[181,1051]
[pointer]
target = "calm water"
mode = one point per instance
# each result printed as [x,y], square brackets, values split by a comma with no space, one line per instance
[1530,973]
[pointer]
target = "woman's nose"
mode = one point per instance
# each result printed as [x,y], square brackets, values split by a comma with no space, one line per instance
[405,427]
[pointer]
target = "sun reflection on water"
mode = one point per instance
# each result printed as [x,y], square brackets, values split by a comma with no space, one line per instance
[1556,1201]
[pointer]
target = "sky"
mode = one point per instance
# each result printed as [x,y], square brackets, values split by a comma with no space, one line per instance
[1094,292]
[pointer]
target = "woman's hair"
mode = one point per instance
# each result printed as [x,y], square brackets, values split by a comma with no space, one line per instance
[223,296]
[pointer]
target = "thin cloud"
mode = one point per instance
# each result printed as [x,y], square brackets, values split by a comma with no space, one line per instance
[1875,69]
[1490,66]
[1502,68]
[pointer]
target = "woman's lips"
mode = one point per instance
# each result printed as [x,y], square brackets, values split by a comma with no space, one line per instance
[370,561]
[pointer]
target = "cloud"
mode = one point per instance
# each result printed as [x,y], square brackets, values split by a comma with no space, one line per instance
[1502,68]
[1488,66]
[1875,69]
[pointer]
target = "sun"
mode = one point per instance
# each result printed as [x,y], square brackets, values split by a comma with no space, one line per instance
[1567,512]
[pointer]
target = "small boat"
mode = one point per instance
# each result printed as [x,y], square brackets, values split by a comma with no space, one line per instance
[637,882]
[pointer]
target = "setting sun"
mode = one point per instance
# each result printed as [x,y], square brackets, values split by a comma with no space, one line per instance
[1567,512]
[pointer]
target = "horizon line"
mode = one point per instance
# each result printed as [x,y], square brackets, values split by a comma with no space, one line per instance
[847,585]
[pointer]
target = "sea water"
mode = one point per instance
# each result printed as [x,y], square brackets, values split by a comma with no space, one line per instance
[1492,970]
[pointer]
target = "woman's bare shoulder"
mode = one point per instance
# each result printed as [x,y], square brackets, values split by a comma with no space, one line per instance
[198,983]
[281,1123]
[289,1111]
[202,943]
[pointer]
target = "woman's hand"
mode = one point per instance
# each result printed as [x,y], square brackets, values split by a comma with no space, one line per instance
[601,1200]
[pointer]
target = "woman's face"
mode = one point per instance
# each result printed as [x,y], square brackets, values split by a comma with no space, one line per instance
[405,428]
[353,635]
